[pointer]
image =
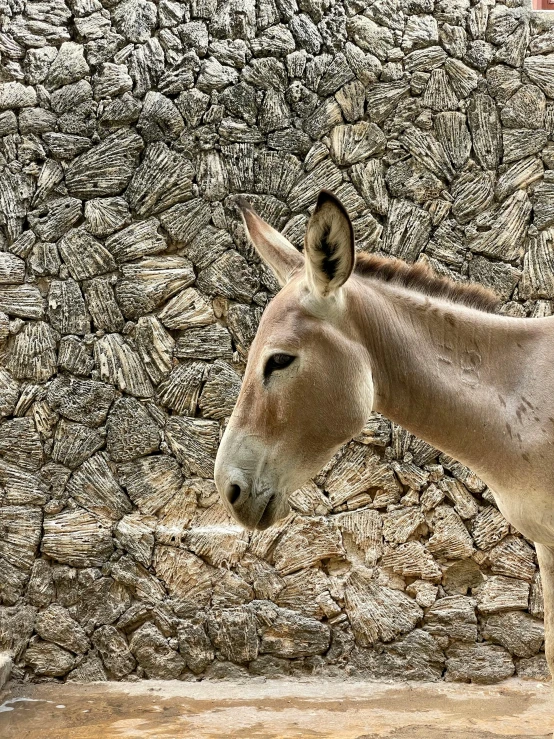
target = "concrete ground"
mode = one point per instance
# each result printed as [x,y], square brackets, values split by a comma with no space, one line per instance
[277,710]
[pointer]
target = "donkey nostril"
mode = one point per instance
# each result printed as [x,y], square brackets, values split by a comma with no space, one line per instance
[233,494]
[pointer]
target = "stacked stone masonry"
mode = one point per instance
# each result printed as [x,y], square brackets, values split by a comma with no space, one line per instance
[129,297]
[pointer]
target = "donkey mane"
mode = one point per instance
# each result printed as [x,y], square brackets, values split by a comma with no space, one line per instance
[420,277]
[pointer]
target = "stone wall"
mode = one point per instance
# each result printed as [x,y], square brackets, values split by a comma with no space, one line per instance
[129,298]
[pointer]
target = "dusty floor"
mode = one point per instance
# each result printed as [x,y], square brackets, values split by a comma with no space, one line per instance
[277,710]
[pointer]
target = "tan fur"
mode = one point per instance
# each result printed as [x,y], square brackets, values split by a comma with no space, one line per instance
[396,339]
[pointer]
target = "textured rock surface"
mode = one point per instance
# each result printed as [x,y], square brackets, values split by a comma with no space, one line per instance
[129,299]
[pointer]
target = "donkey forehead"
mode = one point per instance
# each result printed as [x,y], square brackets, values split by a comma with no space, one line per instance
[286,320]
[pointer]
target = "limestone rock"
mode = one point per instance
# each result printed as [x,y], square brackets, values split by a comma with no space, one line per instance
[102,305]
[150,481]
[162,179]
[453,134]
[500,593]
[84,401]
[21,527]
[40,590]
[534,668]
[77,538]
[519,633]
[215,537]
[176,515]
[33,355]
[519,176]
[104,169]
[503,228]
[484,125]
[520,143]
[412,560]
[103,602]
[24,301]
[499,277]
[84,255]
[538,69]
[233,631]
[106,215]
[513,557]
[287,634]
[12,269]
[364,526]
[195,646]
[188,579]
[49,659]
[135,533]
[307,592]
[142,584]
[414,657]
[181,389]
[453,616]
[304,192]
[19,443]
[473,191]
[407,230]
[450,537]
[185,220]
[478,663]
[427,150]
[159,118]
[74,357]
[137,240]
[55,624]
[378,613]
[68,66]
[155,347]
[9,393]
[187,309]
[131,431]
[66,308]
[120,365]
[306,542]
[220,391]
[229,276]
[370,36]
[74,443]
[151,281]
[488,527]
[538,269]
[194,443]
[354,143]
[16,628]
[89,671]
[399,525]
[356,472]
[16,95]
[94,487]
[154,655]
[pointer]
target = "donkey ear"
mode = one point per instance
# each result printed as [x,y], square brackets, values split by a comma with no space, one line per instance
[329,245]
[276,251]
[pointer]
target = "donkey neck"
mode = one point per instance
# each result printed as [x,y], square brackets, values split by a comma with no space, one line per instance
[447,373]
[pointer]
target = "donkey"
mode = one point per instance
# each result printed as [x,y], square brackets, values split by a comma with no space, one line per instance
[349,334]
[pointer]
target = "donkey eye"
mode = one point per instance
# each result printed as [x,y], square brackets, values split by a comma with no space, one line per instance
[277,362]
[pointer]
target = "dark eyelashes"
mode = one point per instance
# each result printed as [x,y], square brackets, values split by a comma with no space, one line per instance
[277,362]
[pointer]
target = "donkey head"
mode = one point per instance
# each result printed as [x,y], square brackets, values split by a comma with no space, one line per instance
[307,387]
